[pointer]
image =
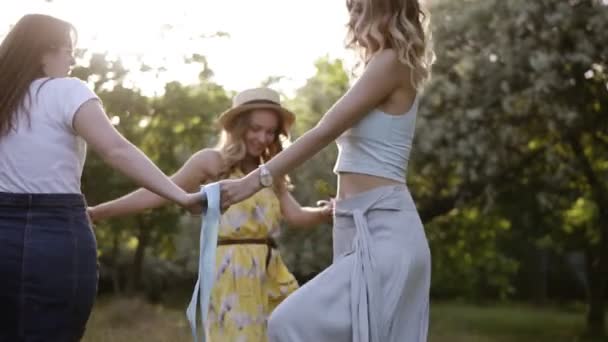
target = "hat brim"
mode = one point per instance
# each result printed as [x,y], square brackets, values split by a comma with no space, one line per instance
[226,119]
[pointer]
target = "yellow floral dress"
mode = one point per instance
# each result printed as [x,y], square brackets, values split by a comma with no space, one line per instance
[246,290]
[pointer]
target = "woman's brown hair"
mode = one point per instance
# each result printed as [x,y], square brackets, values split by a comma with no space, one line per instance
[21,54]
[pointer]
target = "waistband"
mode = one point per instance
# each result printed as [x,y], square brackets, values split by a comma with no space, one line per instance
[269,242]
[391,197]
[26,200]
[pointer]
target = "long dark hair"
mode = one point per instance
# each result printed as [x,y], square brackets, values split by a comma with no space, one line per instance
[21,55]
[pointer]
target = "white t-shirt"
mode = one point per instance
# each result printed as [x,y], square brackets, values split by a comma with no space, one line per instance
[44,154]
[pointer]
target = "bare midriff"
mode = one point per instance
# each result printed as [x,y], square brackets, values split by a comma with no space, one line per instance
[350,184]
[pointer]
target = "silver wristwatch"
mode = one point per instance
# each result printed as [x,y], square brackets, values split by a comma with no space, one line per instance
[265,176]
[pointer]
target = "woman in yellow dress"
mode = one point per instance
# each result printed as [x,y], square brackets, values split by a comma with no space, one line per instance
[251,278]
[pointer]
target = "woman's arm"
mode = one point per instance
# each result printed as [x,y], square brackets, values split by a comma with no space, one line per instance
[93,125]
[304,217]
[198,169]
[381,77]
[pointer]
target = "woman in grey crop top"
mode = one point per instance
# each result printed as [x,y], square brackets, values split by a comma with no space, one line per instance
[377,287]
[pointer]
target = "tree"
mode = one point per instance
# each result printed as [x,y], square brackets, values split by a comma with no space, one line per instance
[519,100]
[308,252]
[168,129]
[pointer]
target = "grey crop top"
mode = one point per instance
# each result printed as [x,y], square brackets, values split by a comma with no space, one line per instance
[378,145]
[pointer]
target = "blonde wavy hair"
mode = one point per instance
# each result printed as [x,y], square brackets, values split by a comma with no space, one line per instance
[401,25]
[233,149]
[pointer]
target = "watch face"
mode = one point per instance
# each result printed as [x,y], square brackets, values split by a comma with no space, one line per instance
[265,176]
[266,180]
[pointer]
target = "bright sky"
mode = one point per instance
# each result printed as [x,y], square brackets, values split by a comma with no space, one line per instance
[267,37]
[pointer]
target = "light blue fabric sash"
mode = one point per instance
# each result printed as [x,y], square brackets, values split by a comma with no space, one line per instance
[206,263]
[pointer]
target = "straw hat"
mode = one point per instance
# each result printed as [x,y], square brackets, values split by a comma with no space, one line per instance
[256,98]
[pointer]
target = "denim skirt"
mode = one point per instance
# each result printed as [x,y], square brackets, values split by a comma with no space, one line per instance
[48,267]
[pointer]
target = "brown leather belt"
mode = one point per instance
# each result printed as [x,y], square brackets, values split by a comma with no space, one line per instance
[269,242]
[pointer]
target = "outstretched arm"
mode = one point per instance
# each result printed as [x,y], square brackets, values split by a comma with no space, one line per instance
[381,77]
[92,124]
[196,171]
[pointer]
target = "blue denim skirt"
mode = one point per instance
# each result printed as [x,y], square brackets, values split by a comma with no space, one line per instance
[48,267]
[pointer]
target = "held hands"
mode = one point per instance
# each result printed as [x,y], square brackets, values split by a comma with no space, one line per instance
[98,213]
[193,203]
[236,190]
[327,209]
[91,213]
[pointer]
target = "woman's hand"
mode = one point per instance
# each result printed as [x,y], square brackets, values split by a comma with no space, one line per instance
[234,191]
[91,212]
[327,209]
[193,202]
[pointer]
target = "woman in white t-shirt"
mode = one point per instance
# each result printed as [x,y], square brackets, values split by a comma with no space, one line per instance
[48,267]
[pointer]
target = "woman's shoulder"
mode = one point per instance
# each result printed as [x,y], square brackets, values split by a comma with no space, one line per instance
[209,160]
[389,60]
[62,84]
[65,81]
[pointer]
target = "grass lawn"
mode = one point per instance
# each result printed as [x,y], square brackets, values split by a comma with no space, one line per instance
[129,320]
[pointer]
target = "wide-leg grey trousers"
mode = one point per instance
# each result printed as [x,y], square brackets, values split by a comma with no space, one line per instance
[377,289]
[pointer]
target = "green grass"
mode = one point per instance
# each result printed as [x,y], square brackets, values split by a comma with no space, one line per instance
[460,322]
[131,320]
[122,320]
